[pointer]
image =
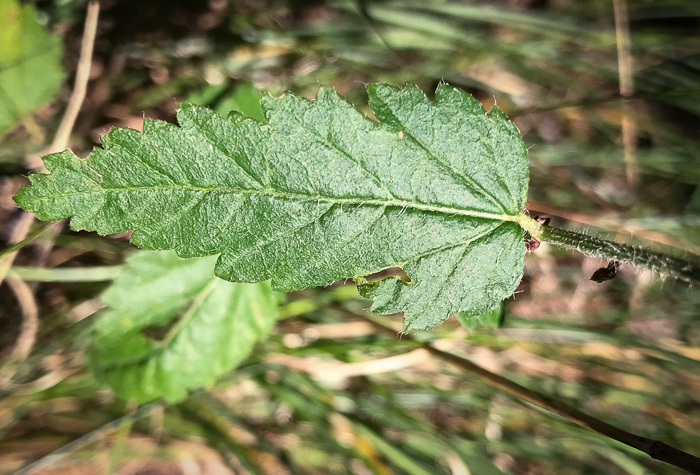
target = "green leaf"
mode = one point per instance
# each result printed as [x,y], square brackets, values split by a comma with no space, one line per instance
[317,194]
[171,325]
[224,98]
[490,319]
[30,64]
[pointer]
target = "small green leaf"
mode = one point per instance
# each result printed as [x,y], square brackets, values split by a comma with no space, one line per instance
[317,194]
[490,319]
[171,325]
[30,64]
[224,98]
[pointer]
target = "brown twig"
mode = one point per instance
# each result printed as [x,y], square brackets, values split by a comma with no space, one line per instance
[335,371]
[30,320]
[28,331]
[654,448]
[17,236]
[624,66]
[82,74]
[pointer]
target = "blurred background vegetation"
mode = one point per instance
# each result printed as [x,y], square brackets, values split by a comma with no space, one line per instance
[607,96]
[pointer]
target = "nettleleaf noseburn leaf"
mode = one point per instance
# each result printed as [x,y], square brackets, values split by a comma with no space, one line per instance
[318,193]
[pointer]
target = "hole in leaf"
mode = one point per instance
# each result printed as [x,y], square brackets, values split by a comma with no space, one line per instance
[397,272]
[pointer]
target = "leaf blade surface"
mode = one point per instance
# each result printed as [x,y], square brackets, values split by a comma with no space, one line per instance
[318,193]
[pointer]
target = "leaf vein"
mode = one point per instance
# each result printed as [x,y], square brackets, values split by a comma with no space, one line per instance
[465,178]
[299,197]
[216,145]
[333,146]
[263,243]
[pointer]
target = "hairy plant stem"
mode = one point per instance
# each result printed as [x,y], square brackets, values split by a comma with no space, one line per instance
[654,448]
[687,270]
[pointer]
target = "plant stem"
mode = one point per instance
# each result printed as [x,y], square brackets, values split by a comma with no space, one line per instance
[82,76]
[654,448]
[687,270]
[66,274]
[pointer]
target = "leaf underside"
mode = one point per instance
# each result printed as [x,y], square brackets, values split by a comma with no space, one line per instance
[318,193]
[171,325]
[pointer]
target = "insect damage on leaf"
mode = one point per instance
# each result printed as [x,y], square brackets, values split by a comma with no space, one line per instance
[318,193]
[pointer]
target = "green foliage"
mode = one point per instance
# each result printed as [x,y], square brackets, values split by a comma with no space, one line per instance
[223,98]
[490,319]
[30,64]
[317,194]
[171,325]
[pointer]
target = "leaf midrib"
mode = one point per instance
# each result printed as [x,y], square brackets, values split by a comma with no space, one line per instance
[403,204]
[160,347]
